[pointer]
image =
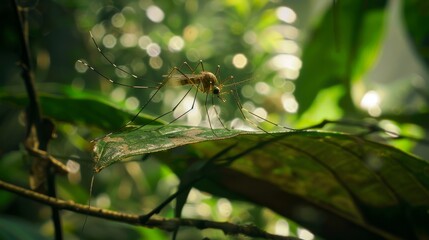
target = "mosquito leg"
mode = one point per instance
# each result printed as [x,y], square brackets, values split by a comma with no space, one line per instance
[133,119]
[181,100]
[270,122]
[371,128]
[112,81]
[114,65]
[193,85]
[231,78]
[205,103]
[217,70]
[218,115]
[142,108]
[200,63]
[110,61]
[183,114]
[240,107]
[166,113]
[192,70]
[208,115]
[174,108]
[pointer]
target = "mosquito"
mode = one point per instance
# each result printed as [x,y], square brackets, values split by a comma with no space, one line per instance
[203,82]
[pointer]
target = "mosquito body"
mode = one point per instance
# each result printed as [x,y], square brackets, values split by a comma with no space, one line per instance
[207,80]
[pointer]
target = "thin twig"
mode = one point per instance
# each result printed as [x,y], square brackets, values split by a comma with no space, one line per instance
[134,219]
[26,65]
[59,166]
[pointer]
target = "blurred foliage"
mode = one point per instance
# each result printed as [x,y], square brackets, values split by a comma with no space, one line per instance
[414,12]
[360,59]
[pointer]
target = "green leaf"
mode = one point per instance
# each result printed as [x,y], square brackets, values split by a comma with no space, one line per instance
[81,109]
[416,13]
[341,47]
[332,183]
[120,146]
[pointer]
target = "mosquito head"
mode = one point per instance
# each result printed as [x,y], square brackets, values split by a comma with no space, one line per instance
[217,90]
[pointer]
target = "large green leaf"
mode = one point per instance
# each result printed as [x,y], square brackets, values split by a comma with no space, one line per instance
[332,183]
[81,109]
[120,146]
[340,48]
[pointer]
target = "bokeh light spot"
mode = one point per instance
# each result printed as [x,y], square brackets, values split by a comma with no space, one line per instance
[103,201]
[285,61]
[286,14]
[203,209]
[73,166]
[224,207]
[118,20]
[370,99]
[153,49]
[239,60]
[122,73]
[80,67]
[247,91]
[289,86]
[289,32]
[287,46]
[155,62]
[109,41]
[261,112]
[289,103]
[176,44]
[128,40]
[190,33]
[43,59]
[155,14]
[262,88]
[282,228]
[118,94]
[305,234]
[370,102]
[132,103]
[193,117]
[250,37]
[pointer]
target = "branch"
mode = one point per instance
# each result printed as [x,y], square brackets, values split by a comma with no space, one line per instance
[39,130]
[27,73]
[58,165]
[164,224]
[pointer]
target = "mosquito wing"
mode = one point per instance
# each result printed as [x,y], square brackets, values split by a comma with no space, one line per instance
[182,79]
